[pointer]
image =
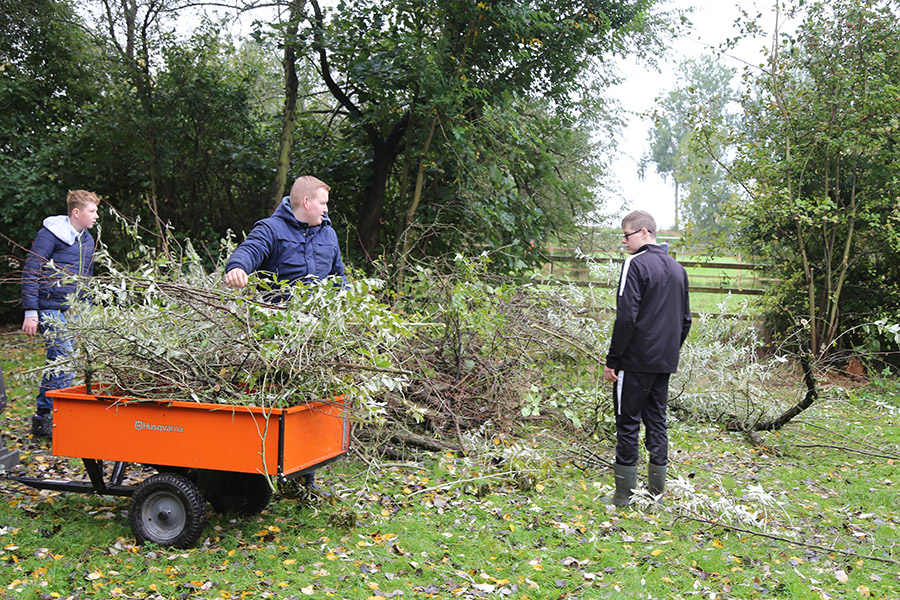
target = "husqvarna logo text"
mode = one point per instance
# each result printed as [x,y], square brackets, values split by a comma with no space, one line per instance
[141,426]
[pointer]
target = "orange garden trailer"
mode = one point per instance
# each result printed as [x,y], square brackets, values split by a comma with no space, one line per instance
[221,453]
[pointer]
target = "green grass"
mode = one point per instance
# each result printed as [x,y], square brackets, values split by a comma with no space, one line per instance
[723,303]
[455,527]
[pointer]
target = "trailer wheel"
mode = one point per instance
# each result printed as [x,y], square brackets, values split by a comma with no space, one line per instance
[244,494]
[167,509]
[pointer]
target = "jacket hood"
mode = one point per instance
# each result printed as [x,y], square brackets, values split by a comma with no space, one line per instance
[62,228]
[284,212]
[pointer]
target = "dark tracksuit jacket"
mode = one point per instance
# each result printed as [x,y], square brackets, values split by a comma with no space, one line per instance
[653,313]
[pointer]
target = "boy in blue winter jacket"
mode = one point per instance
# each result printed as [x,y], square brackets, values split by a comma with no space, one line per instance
[46,285]
[295,244]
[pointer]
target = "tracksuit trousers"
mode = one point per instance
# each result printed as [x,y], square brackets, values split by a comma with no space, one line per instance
[641,397]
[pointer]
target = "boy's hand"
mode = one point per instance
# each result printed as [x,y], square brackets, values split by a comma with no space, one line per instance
[236,278]
[609,374]
[30,325]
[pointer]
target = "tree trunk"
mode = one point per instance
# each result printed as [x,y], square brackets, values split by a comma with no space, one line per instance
[289,113]
[371,211]
[370,218]
[406,233]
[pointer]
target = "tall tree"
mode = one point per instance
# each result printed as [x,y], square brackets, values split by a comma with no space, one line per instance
[200,128]
[412,73]
[687,141]
[291,90]
[817,157]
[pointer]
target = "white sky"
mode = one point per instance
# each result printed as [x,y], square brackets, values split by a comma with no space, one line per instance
[712,24]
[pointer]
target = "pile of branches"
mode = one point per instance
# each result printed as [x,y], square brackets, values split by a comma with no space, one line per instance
[447,353]
[170,329]
[490,352]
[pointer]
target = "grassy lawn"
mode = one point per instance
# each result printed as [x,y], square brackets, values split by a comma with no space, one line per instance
[522,519]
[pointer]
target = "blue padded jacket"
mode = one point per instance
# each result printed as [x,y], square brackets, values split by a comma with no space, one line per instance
[282,247]
[45,286]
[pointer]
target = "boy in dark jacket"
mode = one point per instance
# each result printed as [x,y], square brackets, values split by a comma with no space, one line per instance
[653,317]
[295,244]
[46,285]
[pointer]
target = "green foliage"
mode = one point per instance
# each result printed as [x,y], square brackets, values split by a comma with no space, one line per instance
[197,145]
[817,158]
[687,144]
[500,351]
[725,372]
[46,75]
[462,119]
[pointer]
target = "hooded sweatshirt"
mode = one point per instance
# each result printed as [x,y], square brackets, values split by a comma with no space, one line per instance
[58,253]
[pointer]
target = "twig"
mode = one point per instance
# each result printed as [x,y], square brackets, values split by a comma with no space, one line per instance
[834,447]
[832,433]
[570,341]
[779,538]
[370,368]
[458,481]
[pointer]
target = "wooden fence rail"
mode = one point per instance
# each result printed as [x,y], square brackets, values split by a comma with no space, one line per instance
[756,285]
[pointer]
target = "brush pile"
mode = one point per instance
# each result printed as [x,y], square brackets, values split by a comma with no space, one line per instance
[170,329]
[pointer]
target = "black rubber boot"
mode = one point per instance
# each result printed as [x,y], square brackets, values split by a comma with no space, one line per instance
[312,488]
[42,425]
[656,481]
[626,480]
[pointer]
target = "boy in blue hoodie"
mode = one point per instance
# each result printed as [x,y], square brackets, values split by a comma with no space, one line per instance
[63,248]
[296,244]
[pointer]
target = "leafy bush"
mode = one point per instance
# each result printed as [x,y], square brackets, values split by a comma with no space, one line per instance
[501,350]
[726,372]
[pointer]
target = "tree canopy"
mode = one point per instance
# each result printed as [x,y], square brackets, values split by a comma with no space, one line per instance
[688,143]
[816,158]
[422,89]
[441,126]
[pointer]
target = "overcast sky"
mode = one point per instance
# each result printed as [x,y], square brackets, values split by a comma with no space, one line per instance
[713,23]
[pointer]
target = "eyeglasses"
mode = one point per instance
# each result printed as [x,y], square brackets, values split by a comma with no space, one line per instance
[625,236]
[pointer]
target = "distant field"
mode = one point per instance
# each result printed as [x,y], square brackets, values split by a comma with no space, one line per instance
[737,285]
[722,303]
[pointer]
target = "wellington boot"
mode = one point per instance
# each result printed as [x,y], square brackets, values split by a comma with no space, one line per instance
[626,480]
[312,488]
[656,481]
[42,425]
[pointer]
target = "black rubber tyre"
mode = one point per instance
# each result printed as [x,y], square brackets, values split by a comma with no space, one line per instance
[168,509]
[243,494]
